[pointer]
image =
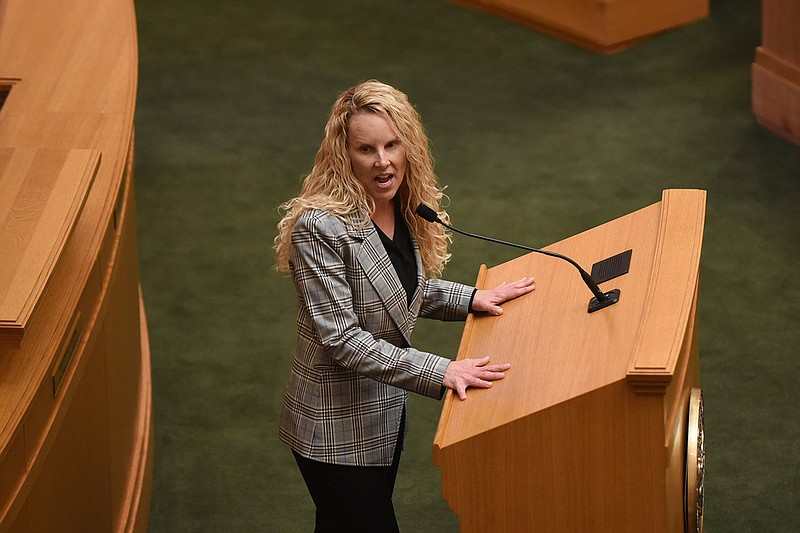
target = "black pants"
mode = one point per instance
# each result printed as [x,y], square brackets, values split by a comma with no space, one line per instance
[353,499]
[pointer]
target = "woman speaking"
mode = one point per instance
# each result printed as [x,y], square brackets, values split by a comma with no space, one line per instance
[364,268]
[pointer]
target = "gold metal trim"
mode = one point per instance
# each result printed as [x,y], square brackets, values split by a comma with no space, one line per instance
[695,464]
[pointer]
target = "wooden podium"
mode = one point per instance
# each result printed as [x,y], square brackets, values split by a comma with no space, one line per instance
[597,426]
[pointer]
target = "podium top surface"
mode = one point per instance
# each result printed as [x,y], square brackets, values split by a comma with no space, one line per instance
[557,350]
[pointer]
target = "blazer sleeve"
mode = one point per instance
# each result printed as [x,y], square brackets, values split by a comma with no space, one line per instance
[320,261]
[446,300]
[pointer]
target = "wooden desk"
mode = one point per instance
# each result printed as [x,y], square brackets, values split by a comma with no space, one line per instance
[605,26]
[75,392]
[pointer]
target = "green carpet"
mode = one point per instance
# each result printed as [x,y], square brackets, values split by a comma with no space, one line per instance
[536,140]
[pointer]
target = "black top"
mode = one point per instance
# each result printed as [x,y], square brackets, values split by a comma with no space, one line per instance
[401,254]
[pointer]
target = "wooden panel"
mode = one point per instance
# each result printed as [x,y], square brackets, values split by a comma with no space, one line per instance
[676,405]
[779,24]
[776,70]
[605,26]
[776,99]
[122,349]
[44,192]
[134,517]
[671,290]
[12,468]
[79,455]
[594,463]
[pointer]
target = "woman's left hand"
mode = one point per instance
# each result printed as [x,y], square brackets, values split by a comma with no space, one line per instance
[489,300]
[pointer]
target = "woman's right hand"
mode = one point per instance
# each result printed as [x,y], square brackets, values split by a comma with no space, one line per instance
[466,373]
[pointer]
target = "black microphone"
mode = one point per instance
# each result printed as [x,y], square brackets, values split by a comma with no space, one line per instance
[599,301]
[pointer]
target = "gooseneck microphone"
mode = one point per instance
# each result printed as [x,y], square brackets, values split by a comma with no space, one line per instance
[599,301]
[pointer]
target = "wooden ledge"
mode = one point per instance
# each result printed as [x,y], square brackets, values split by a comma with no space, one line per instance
[44,191]
[673,285]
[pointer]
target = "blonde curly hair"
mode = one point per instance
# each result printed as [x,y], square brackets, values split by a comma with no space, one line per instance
[333,187]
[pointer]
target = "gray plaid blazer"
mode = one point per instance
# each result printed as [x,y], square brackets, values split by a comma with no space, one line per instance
[353,364]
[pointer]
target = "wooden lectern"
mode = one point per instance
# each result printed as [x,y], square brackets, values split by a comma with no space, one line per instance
[597,426]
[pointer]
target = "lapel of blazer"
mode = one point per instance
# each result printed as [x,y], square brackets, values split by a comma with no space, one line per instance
[381,274]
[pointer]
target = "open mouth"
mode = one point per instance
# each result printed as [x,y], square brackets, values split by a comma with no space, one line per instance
[384,179]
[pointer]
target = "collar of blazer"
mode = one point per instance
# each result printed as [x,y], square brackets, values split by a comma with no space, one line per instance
[381,274]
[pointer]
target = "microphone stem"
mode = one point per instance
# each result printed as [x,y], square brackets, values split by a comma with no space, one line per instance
[587,279]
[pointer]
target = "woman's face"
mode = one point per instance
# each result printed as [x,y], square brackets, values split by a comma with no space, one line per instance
[377,156]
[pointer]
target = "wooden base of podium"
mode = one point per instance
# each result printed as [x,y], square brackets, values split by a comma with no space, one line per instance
[603,26]
[776,95]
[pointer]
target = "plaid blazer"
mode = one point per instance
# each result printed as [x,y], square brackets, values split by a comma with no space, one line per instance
[353,362]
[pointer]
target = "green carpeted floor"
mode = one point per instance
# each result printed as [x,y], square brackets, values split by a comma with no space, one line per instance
[536,141]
